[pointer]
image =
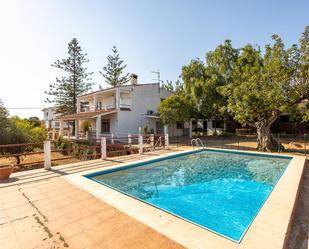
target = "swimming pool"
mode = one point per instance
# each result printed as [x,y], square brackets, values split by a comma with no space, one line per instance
[219,191]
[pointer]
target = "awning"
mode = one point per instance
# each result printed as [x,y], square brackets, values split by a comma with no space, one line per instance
[152,116]
[86,115]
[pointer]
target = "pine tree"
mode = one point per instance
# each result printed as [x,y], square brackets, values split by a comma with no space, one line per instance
[75,82]
[114,69]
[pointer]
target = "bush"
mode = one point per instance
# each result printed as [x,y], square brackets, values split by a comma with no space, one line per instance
[19,131]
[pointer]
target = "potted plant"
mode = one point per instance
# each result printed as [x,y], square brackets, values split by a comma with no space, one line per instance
[5,171]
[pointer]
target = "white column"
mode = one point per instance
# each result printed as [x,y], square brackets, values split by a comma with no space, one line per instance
[47,155]
[140,144]
[117,98]
[78,105]
[103,148]
[76,129]
[129,138]
[98,127]
[167,143]
[152,140]
[209,127]
[165,129]
[139,130]
[61,128]
[190,129]
[94,102]
[112,138]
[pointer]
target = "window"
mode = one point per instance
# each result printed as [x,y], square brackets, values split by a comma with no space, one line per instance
[285,119]
[85,106]
[159,127]
[217,124]
[99,105]
[105,126]
[57,124]
[205,125]
[179,125]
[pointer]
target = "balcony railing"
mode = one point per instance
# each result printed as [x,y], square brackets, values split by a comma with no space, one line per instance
[122,104]
[125,103]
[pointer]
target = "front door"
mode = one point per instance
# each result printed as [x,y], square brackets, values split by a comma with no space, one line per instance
[159,127]
[105,126]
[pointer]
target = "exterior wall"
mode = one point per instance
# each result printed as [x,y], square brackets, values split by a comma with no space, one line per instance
[173,131]
[51,120]
[108,101]
[132,104]
[144,98]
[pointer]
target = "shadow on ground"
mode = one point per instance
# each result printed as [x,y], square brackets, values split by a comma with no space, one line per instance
[300,226]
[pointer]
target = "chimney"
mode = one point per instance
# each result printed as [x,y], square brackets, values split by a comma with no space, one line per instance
[133,79]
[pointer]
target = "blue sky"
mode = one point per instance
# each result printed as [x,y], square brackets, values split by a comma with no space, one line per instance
[150,35]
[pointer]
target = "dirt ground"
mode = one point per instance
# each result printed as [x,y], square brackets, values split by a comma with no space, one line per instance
[291,145]
[35,161]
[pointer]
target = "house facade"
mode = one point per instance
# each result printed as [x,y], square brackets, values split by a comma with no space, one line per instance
[51,118]
[119,110]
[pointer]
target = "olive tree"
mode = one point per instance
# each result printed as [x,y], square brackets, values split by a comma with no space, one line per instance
[266,85]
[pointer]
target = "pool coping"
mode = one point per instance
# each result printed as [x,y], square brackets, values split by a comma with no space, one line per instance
[268,229]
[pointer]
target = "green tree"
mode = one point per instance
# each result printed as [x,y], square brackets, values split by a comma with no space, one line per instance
[176,108]
[168,86]
[23,131]
[5,129]
[264,86]
[174,88]
[35,121]
[113,71]
[18,131]
[202,80]
[75,81]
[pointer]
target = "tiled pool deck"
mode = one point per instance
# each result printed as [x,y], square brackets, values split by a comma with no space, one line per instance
[42,210]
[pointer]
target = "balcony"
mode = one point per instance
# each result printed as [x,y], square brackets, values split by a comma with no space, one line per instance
[106,101]
[125,103]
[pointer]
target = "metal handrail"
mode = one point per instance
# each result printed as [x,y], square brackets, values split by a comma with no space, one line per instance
[197,142]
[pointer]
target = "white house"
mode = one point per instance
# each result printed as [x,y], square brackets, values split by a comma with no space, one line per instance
[51,118]
[120,110]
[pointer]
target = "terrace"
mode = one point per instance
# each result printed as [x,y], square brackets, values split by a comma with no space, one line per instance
[62,215]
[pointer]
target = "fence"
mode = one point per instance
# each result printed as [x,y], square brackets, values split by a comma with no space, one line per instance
[51,153]
[292,143]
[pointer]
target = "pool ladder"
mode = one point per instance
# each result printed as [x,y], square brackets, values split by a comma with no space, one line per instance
[197,142]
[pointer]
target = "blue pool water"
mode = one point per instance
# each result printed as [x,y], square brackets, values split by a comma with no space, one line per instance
[220,191]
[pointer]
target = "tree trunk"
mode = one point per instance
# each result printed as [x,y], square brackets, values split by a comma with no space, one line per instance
[17,160]
[265,140]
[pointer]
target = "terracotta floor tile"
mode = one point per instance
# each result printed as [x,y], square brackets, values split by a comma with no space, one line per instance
[70,230]
[111,242]
[30,235]
[3,214]
[53,214]
[6,231]
[82,220]
[88,222]
[9,242]
[58,223]
[15,203]
[81,241]
[170,245]
[78,214]
[26,224]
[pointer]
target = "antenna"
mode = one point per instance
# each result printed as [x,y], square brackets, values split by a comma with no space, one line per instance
[158,76]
